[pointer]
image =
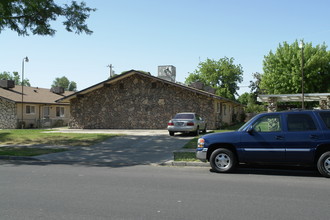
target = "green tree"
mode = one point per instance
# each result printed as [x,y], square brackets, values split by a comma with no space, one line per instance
[15,77]
[254,108]
[141,71]
[255,85]
[222,75]
[24,16]
[245,98]
[250,102]
[65,83]
[282,69]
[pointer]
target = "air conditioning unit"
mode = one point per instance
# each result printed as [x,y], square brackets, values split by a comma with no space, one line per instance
[57,90]
[7,84]
[167,72]
[209,89]
[197,85]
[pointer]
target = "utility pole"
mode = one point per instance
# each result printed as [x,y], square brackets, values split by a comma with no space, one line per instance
[111,72]
[25,59]
[301,45]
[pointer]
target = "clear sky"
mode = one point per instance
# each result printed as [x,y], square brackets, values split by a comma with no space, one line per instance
[143,34]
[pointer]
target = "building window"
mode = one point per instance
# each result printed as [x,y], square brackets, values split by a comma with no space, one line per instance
[46,111]
[59,111]
[219,111]
[219,107]
[224,109]
[30,109]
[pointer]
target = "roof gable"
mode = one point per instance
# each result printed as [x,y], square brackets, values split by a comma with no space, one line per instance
[132,72]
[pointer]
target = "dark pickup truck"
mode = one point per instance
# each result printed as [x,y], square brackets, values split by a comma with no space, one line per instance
[300,137]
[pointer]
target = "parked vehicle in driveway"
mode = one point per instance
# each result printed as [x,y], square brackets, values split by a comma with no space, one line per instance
[186,122]
[299,137]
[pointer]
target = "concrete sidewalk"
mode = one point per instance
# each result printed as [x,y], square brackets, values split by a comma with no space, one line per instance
[133,132]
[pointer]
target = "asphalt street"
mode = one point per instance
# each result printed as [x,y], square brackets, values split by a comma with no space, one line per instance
[49,191]
[119,179]
[114,180]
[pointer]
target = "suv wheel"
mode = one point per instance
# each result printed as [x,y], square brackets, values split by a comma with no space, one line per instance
[223,160]
[323,164]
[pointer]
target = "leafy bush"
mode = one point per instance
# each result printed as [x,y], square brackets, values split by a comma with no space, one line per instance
[254,108]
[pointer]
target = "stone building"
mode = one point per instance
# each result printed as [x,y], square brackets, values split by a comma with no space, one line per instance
[35,108]
[136,100]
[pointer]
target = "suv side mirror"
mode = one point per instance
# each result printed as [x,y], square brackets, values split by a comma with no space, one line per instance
[250,130]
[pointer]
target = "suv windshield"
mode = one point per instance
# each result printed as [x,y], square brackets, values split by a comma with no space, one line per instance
[184,116]
[246,124]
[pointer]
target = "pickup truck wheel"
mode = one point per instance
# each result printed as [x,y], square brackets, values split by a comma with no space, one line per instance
[223,160]
[323,164]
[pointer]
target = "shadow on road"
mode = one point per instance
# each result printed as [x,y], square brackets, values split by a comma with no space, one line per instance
[72,163]
[299,171]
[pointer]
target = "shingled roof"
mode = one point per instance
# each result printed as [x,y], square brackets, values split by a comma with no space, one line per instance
[32,95]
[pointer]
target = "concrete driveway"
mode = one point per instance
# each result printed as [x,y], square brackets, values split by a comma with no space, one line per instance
[137,147]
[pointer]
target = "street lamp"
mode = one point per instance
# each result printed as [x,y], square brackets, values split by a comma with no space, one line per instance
[25,59]
[301,46]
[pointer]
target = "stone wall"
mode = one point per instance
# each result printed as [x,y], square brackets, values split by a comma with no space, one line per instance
[8,118]
[138,102]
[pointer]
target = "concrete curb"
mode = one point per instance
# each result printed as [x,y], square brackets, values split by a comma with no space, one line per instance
[184,164]
[167,163]
[18,158]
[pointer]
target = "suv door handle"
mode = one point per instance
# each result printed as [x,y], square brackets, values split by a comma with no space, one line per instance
[278,137]
[313,136]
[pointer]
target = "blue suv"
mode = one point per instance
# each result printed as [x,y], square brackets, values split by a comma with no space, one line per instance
[299,137]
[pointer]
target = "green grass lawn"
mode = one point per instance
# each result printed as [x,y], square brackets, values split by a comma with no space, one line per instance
[16,137]
[39,137]
[185,156]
